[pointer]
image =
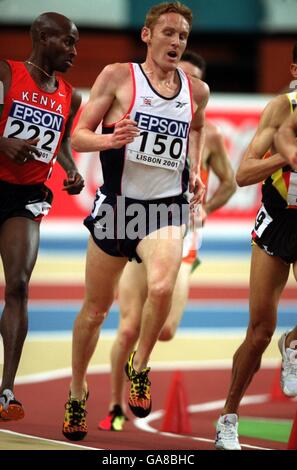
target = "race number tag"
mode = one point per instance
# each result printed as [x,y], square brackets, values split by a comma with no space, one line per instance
[292,190]
[161,143]
[30,122]
[263,219]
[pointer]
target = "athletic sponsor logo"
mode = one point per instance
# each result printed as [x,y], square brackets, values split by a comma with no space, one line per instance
[162,125]
[38,116]
[180,104]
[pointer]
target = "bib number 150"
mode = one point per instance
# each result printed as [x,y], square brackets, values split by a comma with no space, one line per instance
[162,144]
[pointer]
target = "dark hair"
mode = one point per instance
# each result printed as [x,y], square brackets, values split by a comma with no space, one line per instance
[195,59]
[167,7]
[295,53]
[51,23]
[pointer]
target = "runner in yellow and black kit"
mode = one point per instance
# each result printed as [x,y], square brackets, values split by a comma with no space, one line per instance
[276,221]
[274,248]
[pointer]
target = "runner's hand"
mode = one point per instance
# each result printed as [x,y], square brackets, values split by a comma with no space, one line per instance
[74,182]
[124,133]
[19,150]
[197,187]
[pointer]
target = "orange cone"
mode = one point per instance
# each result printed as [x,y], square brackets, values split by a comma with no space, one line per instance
[276,393]
[177,419]
[292,444]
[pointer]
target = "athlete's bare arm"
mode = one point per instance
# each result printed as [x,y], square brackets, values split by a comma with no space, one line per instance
[197,138]
[285,139]
[18,150]
[219,163]
[253,167]
[74,182]
[110,99]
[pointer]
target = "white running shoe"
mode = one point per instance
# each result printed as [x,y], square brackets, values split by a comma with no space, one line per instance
[288,378]
[227,433]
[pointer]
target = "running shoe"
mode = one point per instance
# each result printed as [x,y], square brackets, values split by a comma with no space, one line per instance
[10,408]
[114,421]
[227,433]
[139,401]
[75,425]
[288,377]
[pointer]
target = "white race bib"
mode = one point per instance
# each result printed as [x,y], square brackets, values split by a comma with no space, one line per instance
[30,122]
[292,190]
[263,219]
[162,142]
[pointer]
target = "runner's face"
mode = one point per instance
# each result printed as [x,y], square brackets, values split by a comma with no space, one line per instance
[168,39]
[62,48]
[190,69]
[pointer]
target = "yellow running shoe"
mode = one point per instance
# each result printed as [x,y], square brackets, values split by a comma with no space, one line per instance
[75,425]
[139,401]
[114,421]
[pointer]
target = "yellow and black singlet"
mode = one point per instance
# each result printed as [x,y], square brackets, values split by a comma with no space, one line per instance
[279,191]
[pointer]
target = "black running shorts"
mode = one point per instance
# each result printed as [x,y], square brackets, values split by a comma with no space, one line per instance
[117,223]
[276,233]
[31,201]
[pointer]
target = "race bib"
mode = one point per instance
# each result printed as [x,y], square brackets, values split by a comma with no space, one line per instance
[263,219]
[30,122]
[162,142]
[292,190]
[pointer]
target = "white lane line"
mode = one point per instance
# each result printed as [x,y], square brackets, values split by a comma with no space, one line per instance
[144,423]
[52,441]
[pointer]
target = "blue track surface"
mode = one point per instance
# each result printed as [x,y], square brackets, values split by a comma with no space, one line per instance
[213,314]
[79,245]
[225,315]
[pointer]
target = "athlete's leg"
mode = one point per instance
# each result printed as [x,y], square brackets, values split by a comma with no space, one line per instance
[132,293]
[19,242]
[179,302]
[102,274]
[162,257]
[292,336]
[268,277]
